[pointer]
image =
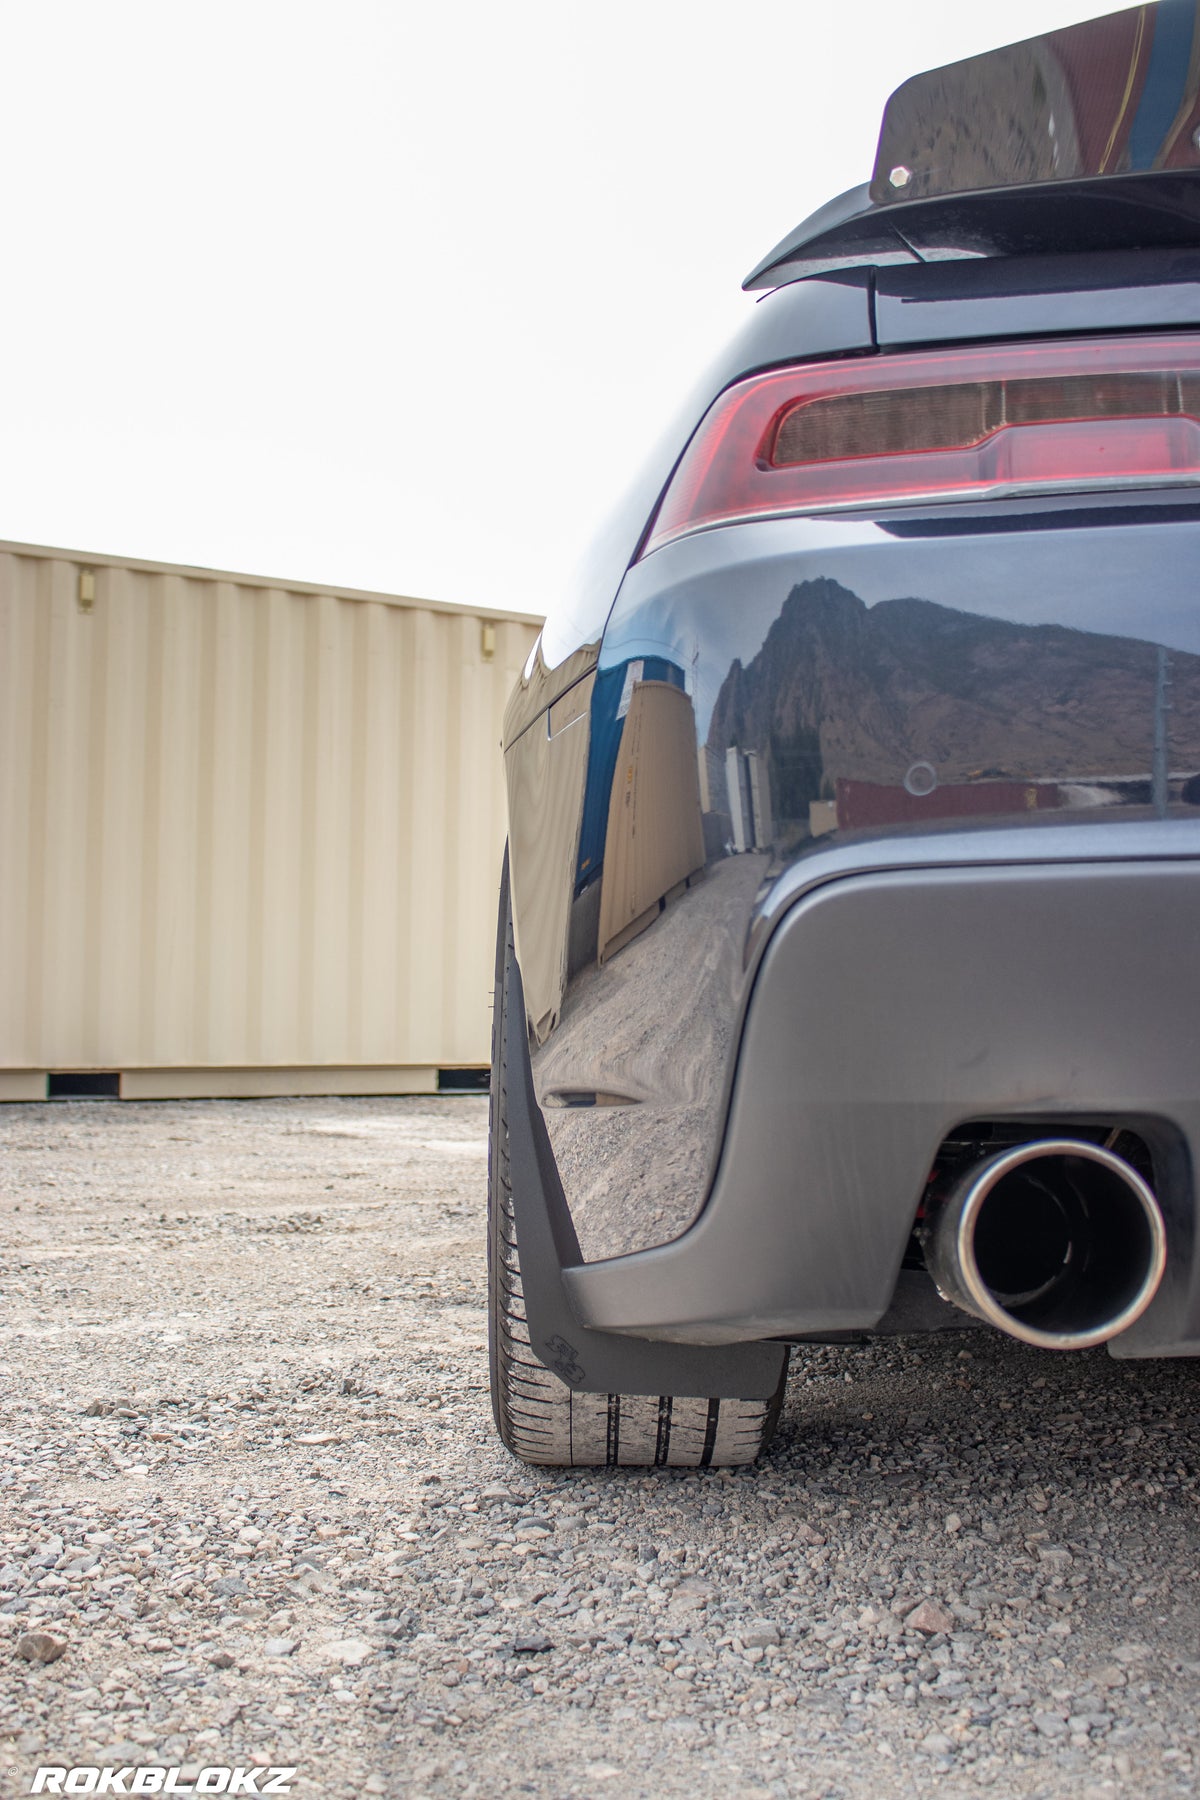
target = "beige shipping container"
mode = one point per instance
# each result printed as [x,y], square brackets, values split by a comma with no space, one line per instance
[251,830]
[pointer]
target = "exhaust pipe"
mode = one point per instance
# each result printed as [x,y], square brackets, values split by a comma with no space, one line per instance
[1058,1243]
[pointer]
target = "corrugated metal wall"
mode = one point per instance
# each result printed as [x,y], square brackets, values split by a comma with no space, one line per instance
[244,826]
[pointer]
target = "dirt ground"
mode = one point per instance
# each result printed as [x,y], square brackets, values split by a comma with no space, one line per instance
[248,1479]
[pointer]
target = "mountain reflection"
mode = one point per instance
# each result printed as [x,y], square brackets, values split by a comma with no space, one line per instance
[918,697]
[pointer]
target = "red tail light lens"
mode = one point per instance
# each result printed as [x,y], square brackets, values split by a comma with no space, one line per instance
[945,425]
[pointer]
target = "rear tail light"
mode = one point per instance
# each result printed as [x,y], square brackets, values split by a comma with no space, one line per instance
[944,425]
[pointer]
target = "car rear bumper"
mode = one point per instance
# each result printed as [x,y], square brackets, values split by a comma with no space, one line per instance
[888,1008]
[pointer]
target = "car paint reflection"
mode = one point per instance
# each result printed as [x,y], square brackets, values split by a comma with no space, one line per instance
[768,700]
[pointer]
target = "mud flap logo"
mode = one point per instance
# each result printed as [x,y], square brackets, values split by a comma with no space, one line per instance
[564,1360]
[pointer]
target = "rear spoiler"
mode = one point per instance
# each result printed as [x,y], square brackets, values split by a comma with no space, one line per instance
[1082,139]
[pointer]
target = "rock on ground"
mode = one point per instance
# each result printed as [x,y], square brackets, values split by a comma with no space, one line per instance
[248,1478]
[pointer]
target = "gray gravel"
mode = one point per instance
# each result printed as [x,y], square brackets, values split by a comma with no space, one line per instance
[249,1487]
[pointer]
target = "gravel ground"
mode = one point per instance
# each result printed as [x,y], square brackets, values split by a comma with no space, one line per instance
[248,1477]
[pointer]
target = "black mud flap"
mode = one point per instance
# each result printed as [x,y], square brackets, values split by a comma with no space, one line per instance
[596,1362]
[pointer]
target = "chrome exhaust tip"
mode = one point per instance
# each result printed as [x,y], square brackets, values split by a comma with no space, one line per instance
[1059,1243]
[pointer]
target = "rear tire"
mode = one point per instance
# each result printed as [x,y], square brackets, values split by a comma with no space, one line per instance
[541,1419]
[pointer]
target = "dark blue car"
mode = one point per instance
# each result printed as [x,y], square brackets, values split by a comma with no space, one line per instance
[848,970]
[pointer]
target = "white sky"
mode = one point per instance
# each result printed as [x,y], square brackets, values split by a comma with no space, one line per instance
[392,296]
